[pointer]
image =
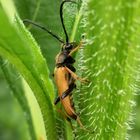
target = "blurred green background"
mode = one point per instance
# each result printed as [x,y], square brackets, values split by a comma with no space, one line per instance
[13,124]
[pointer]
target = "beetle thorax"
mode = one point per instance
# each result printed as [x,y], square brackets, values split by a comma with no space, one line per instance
[61,57]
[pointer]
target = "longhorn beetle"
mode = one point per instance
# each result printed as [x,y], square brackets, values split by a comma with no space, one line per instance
[64,73]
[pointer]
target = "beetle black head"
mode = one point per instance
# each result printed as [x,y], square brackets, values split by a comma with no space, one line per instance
[69,46]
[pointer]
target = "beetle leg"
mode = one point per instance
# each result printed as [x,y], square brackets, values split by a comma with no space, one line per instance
[82,126]
[76,77]
[68,91]
[57,100]
[65,116]
[76,48]
[62,113]
[65,94]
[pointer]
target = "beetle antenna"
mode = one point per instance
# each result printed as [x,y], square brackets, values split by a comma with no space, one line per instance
[61,17]
[43,28]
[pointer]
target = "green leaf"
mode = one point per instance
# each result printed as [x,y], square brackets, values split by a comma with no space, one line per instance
[110,60]
[21,50]
[15,82]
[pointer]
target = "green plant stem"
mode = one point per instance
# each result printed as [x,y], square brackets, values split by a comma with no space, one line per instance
[75,27]
[107,61]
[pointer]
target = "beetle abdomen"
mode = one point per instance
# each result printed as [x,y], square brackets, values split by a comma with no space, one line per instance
[62,81]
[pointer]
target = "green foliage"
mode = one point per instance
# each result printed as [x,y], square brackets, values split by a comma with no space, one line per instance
[109,59]
[14,80]
[29,62]
[11,113]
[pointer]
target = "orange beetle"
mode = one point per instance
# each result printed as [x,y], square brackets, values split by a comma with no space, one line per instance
[64,72]
[65,79]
